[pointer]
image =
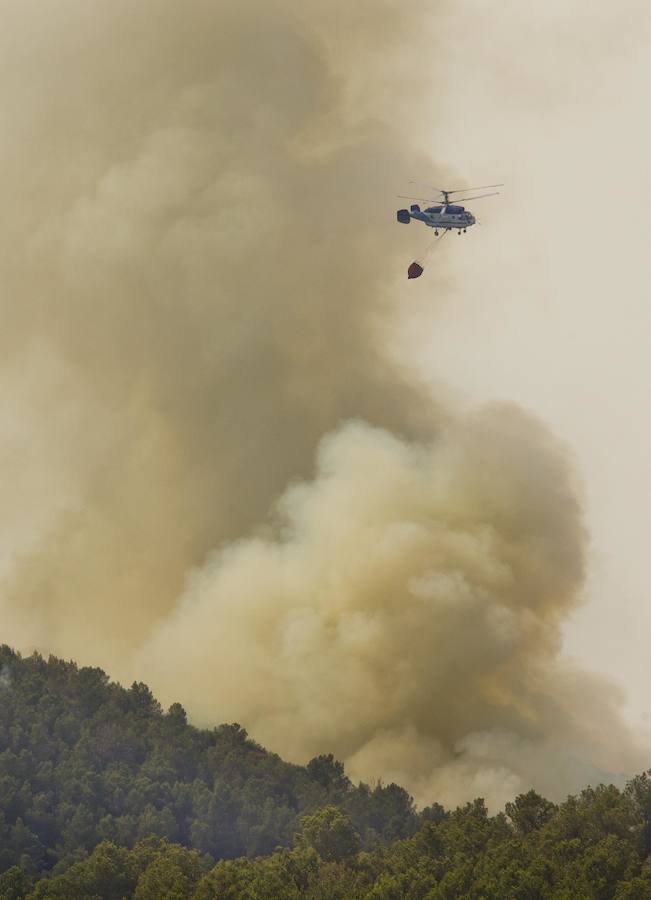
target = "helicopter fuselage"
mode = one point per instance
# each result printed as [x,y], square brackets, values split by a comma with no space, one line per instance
[439,217]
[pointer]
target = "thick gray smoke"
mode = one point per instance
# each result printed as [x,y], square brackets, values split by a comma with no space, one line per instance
[200,288]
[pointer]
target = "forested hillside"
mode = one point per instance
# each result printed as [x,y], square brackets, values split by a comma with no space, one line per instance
[104,795]
[84,760]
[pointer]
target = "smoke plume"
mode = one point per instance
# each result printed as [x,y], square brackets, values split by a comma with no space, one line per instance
[218,476]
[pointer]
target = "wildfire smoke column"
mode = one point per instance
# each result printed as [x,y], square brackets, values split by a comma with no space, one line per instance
[201,291]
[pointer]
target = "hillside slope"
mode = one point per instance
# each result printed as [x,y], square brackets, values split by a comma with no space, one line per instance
[84,760]
[104,796]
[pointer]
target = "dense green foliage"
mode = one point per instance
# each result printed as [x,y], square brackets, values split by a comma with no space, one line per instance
[589,848]
[103,797]
[82,760]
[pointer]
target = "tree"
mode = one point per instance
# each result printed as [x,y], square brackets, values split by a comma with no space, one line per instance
[106,873]
[329,773]
[639,790]
[228,880]
[529,811]
[434,813]
[172,876]
[331,834]
[610,861]
[13,885]
[635,889]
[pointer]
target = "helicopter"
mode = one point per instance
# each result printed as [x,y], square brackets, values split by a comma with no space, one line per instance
[444,214]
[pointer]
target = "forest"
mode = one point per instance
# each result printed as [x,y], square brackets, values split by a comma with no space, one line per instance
[103,794]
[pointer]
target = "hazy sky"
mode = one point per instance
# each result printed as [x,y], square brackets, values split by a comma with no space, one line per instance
[547,303]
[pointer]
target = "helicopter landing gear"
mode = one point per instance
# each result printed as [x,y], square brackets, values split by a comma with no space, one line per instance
[436,234]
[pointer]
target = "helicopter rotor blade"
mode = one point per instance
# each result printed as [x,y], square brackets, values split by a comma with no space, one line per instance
[482,187]
[422,199]
[461,199]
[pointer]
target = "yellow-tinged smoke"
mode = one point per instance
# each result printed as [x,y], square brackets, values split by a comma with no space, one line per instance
[199,270]
[406,614]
